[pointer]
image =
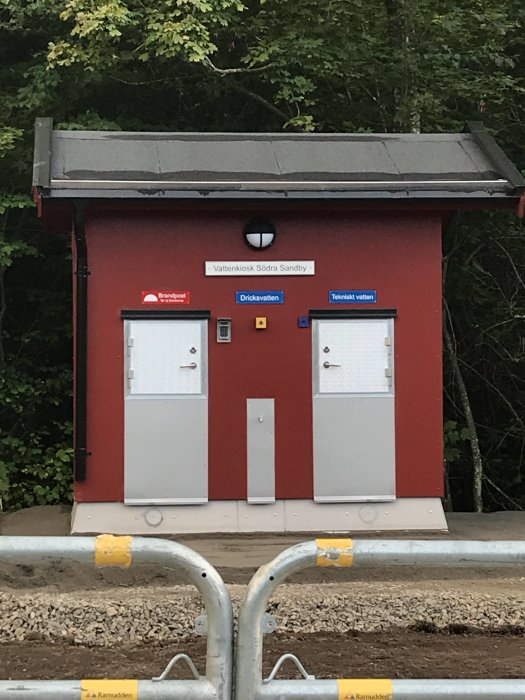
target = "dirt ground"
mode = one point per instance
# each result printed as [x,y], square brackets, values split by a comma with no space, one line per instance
[407,653]
[237,557]
[396,654]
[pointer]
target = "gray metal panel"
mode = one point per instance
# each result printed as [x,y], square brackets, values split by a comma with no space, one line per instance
[447,159]
[475,153]
[344,159]
[260,425]
[354,448]
[248,159]
[166,450]
[95,158]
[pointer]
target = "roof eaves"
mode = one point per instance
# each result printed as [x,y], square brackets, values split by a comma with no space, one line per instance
[233,185]
[245,194]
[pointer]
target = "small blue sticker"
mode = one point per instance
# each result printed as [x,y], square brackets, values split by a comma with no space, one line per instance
[260,297]
[352,296]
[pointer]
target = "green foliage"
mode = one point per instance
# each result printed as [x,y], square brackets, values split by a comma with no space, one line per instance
[108,33]
[35,386]
[455,438]
[8,138]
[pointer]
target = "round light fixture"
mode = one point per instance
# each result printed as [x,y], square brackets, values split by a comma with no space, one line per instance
[259,233]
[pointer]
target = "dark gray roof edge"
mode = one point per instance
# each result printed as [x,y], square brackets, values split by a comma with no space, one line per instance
[42,151]
[280,196]
[257,135]
[269,186]
[495,154]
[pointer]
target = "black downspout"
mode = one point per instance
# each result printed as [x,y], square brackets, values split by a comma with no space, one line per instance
[81,332]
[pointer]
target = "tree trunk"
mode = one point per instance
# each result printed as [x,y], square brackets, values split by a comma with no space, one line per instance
[2,314]
[449,508]
[399,16]
[477,462]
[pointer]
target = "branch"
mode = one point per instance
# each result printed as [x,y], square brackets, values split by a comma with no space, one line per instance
[225,72]
[254,96]
[497,488]
[138,83]
[509,256]
[502,396]
[229,71]
[474,253]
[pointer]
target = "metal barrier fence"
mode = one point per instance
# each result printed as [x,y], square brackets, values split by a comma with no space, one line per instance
[107,550]
[249,684]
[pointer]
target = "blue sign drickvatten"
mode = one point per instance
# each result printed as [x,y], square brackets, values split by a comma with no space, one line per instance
[259,297]
[352,296]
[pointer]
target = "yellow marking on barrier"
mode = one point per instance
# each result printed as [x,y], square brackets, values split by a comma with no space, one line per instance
[334,552]
[365,689]
[109,690]
[113,551]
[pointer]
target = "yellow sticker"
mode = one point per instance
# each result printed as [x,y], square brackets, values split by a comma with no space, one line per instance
[365,689]
[109,690]
[334,552]
[113,551]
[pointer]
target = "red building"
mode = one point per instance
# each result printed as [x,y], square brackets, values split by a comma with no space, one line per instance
[258,322]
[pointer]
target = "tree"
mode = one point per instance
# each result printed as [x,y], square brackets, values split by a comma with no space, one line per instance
[261,65]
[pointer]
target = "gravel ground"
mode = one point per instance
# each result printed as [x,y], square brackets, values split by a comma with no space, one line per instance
[157,616]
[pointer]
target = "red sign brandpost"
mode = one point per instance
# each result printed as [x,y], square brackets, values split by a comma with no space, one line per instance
[156,297]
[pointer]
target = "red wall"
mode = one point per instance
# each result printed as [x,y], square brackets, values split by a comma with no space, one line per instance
[398,254]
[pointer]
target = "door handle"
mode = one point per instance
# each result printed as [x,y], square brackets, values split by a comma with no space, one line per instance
[192,365]
[327,364]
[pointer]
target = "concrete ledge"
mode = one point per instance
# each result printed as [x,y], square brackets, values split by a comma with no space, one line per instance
[242,517]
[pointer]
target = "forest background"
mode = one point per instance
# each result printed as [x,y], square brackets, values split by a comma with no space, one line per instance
[264,65]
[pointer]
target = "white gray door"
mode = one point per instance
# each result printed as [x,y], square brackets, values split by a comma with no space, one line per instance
[353,410]
[166,412]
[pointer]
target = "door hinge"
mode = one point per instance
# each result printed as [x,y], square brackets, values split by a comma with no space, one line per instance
[388,375]
[388,341]
[130,376]
[131,342]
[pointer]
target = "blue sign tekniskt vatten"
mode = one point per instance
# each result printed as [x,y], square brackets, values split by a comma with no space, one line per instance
[352,296]
[259,297]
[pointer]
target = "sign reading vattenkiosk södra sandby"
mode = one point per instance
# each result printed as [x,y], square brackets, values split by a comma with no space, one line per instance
[259,297]
[352,296]
[247,268]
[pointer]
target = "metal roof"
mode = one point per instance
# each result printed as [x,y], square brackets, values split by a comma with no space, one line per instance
[119,164]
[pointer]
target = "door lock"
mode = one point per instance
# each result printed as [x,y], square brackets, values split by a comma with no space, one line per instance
[327,364]
[192,365]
